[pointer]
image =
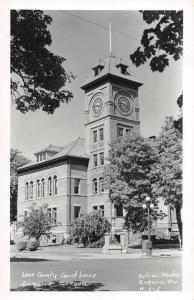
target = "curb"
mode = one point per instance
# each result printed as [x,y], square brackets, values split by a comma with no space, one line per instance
[95,257]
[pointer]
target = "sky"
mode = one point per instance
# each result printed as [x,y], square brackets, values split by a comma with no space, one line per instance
[82,37]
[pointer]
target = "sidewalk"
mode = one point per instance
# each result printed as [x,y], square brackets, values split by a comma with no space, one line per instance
[69,252]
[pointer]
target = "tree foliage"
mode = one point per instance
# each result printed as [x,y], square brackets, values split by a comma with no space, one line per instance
[16,160]
[37,223]
[178,124]
[136,218]
[169,168]
[38,77]
[129,176]
[161,41]
[90,228]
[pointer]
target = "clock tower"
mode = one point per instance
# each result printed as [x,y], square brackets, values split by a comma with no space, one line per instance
[111,110]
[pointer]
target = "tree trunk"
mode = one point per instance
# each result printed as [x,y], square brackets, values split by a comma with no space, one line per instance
[179,220]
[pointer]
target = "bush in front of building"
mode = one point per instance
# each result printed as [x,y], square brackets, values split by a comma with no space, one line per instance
[36,224]
[32,244]
[21,245]
[90,230]
[97,244]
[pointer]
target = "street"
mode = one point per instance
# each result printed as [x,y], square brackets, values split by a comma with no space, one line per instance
[147,274]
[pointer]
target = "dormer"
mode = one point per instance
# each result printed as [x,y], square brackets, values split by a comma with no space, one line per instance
[122,66]
[47,152]
[41,156]
[99,67]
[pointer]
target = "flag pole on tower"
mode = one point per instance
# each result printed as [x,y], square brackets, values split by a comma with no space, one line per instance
[110,37]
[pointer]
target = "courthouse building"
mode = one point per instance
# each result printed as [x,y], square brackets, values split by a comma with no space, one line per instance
[69,179]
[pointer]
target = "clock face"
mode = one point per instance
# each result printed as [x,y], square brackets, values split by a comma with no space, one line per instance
[97,105]
[124,103]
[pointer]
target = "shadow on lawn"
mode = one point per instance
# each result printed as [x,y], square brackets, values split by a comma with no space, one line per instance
[26,259]
[61,286]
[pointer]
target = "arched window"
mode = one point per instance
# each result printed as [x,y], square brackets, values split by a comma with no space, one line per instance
[31,189]
[101,184]
[55,185]
[95,186]
[27,190]
[50,186]
[38,188]
[42,187]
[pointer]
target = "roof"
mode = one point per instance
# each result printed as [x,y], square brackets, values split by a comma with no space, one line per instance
[50,148]
[74,149]
[111,67]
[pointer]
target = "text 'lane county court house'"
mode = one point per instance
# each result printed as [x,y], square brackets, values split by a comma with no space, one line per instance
[69,179]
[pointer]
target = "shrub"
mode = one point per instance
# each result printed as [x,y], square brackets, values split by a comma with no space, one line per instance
[90,229]
[21,245]
[32,244]
[97,244]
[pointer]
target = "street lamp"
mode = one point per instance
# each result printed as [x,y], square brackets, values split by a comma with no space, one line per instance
[148,205]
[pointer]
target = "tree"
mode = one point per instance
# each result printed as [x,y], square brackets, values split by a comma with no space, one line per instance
[178,124]
[37,223]
[169,168]
[129,176]
[160,42]
[38,77]
[16,161]
[90,229]
[164,39]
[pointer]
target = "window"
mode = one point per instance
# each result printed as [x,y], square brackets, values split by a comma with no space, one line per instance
[44,156]
[101,182]
[118,210]
[76,186]
[52,214]
[40,157]
[49,214]
[95,160]
[95,136]
[123,70]
[38,188]
[120,131]
[76,212]
[95,186]
[55,185]
[50,186]
[128,131]
[101,131]
[102,158]
[27,191]
[96,71]
[43,188]
[101,208]
[31,189]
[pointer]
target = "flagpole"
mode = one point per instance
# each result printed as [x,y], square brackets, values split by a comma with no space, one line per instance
[110,38]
